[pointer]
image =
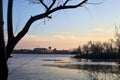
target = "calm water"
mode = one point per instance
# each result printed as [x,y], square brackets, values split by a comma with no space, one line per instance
[61,67]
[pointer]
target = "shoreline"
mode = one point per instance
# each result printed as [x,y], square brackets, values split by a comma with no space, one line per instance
[99,56]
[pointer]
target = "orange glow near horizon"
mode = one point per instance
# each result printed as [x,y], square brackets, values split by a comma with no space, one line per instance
[56,41]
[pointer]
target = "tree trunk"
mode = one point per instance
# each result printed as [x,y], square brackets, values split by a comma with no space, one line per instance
[9,48]
[3,60]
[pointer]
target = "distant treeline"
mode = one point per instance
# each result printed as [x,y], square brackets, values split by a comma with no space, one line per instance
[103,49]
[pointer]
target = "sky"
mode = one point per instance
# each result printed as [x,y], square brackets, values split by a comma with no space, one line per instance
[68,28]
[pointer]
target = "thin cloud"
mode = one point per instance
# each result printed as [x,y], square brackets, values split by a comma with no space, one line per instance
[56,41]
[99,29]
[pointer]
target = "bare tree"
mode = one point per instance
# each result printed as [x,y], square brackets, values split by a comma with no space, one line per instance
[117,38]
[85,49]
[50,6]
[108,47]
[95,47]
[3,59]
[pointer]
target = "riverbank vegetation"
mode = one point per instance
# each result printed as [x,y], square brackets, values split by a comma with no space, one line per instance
[97,49]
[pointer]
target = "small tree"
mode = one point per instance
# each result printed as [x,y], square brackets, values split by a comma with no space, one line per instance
[117,38]
[108,47]
[95,47]
[79,50]
[85,49]
[50,49]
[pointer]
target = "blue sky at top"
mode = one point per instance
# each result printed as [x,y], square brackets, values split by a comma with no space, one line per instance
[72,27]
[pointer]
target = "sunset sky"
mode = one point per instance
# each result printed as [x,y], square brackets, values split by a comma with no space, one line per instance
[67,28]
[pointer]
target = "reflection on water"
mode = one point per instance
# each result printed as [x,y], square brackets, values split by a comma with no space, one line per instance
[93,69]
[61,67]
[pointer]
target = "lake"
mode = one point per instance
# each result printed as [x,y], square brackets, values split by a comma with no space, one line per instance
[61,67]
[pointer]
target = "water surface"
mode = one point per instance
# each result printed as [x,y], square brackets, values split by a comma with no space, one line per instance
[61,67]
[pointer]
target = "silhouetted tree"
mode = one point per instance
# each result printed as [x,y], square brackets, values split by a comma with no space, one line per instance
[50,49]
[108,47]
[99,47]
[50,6]
[117,38]
[79,50]
[54,50]
[3,58]
[95,47]
[85,49]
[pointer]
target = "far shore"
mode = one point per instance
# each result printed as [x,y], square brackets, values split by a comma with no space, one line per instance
[98,56]
[82,56]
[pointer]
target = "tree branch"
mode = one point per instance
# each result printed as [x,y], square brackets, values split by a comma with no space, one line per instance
[28,24]
[67,7]
[42,2]
[10,20]
[41,16]
[66,2]
[10,42]
[52,4]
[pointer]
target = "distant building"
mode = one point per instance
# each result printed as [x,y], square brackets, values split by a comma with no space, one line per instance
[40,50]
